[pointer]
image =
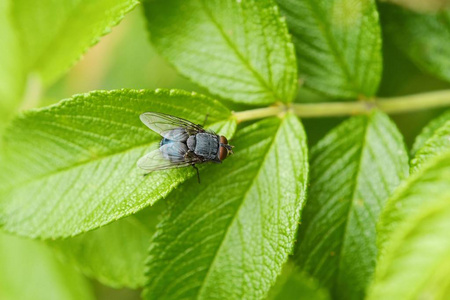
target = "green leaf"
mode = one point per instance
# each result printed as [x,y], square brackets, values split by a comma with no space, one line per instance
[428,131]
[55,34]
[426,188]
[71,167]
[115,254]
[12,79]
[29,270]
[421,36]
[292,284]
[354,169]
[338,45]
[438,144]
[416,262]
[239,50]
[229,237]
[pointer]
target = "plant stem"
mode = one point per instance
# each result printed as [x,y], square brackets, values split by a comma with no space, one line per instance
[415,102]
[258,113]
[394,105]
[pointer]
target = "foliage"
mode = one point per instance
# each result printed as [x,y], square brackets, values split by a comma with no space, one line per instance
[266,67]
[100,253]
[88,148]
[433,141]
[338,45]
[420,36]
[293,284]
[351,178]
[354,219]
[216,228]
[414,237]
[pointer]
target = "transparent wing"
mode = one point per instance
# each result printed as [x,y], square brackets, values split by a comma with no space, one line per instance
[169,126]
[168,156]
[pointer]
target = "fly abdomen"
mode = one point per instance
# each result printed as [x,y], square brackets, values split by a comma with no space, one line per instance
[173,151]
[164,141]
[206,145]
[174,135]
[177,135]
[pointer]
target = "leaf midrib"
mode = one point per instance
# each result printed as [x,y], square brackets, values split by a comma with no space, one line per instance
[331,42]
[251,184]
[241,57]
[84,162]
[72,166]
[329,37]
[352,203]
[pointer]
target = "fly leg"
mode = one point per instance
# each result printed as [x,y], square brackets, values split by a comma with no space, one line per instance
[198,174]
[206,119]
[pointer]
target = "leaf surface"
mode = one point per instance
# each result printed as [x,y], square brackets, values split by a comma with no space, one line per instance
[29,270]
[228,238]
[114,254]
[428,131]
[421,36]
[353,171]
[239,50]
[338,45]
[294,285]
[415,238]
[426,188]
[71,167]
[436,145]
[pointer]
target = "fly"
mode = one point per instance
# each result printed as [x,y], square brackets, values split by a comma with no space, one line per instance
[183,144]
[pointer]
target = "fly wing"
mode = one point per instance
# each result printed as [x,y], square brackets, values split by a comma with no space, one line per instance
[169,126]
[168,156]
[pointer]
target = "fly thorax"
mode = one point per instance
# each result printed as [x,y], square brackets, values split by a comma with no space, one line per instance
[191,141]
[206,145]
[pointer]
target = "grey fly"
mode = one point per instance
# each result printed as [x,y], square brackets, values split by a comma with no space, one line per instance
[183,144]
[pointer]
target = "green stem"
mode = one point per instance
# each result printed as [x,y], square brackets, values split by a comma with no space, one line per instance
[415,102]
[394,105]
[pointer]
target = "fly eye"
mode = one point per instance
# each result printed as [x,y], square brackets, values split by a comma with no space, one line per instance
[223,153]
[223,140]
